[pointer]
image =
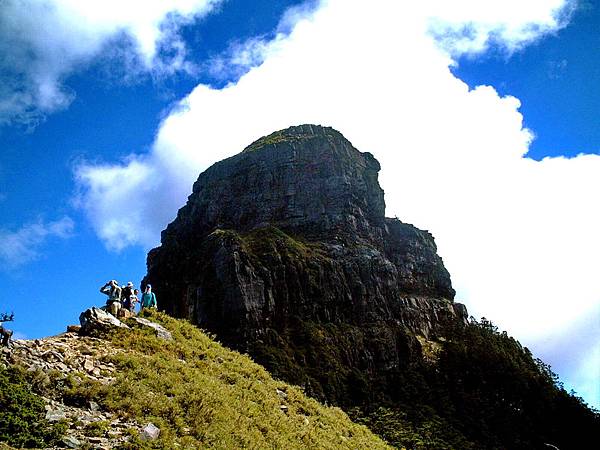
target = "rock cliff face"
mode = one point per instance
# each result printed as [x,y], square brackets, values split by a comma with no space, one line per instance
[284,251]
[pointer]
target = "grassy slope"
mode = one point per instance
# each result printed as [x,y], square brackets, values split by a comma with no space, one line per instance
[201,394]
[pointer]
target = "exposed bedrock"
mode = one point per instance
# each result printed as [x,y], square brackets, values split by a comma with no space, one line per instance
[284,251]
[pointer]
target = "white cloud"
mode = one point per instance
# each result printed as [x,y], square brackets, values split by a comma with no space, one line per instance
[22,246]
[519,237]
[472,26]
[104,202]
[44,41]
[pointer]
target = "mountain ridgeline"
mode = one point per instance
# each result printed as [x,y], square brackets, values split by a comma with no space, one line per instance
[285,253]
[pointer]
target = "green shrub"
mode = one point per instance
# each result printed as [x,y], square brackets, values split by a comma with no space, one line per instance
[22,422]
[98,428]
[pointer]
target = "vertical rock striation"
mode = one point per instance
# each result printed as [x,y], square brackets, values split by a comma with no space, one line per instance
[284,251]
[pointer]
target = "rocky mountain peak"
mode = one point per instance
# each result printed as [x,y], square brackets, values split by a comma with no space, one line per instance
[306,178]
[287,241]
[295,133]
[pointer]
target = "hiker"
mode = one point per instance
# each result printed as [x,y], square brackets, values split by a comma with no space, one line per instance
[134,300]
[130,299]
[148,298]
[126,293]
[113,291]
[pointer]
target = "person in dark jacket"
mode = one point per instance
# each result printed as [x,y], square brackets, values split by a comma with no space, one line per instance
[126,294]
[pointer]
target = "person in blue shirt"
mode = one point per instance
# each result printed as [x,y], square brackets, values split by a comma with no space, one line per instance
[148,298]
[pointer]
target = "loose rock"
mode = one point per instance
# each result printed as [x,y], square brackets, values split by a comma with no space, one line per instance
[150,432]
[72,442]
[161,332]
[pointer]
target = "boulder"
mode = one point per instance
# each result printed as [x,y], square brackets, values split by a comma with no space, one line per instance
[150,432]
[55,415]
[124,314]
[97,320]
[71,442]
[161,332]
[461,312]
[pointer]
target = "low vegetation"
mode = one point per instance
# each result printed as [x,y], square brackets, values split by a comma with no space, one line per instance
[474,388]
[272,139]
[202,395]
[484,391]
[477,388]
[272,242]
[22,413]
[497,393]
[282,136]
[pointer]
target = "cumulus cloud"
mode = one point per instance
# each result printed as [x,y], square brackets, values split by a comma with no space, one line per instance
[44,41]
[471,26]
[108,188]
[241,56]
[23,245]
[519,236]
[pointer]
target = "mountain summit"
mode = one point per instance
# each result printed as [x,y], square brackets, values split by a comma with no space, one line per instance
[293,230]
[284,252]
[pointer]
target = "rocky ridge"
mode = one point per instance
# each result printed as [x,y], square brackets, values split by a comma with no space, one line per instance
[157,383]
[74,358]
[50,361]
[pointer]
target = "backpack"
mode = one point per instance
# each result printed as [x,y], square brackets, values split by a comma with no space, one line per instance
[126,292]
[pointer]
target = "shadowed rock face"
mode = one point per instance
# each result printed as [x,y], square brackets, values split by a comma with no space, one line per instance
[284,251]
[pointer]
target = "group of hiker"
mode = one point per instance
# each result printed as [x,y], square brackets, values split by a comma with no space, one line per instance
[122,299]
[121,303]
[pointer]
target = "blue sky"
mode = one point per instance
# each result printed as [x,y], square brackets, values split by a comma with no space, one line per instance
[108,118]
[556,80]
[105,124]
